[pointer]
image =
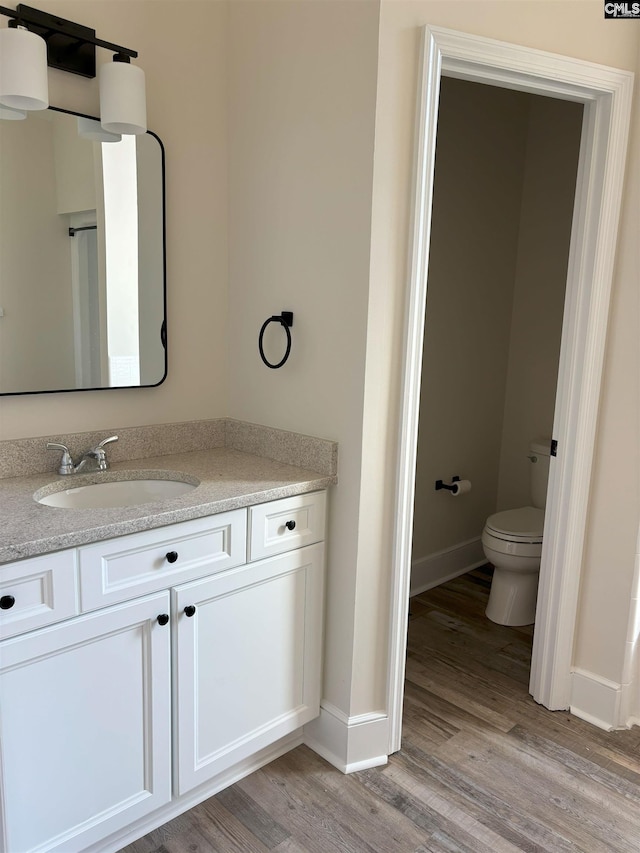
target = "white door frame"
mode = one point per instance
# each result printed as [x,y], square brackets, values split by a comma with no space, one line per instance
[606,95]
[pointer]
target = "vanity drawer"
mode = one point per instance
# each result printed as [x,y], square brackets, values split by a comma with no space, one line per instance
[283,525]
[119,569]
[37,592]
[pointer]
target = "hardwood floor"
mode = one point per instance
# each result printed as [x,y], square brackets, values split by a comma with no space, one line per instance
[482,768]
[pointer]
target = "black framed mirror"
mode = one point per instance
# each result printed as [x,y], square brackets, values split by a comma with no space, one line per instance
[82,256]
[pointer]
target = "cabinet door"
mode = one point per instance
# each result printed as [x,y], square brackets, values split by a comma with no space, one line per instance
[248,661]
[85,726]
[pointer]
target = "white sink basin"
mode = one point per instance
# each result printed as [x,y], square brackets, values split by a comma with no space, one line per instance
[115,493]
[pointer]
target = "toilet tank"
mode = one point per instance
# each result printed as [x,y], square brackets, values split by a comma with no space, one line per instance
[539,458]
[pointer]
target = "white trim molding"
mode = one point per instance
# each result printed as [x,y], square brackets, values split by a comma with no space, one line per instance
[606,95]
[442,566]
[349,743]
[630,706]
[595,699]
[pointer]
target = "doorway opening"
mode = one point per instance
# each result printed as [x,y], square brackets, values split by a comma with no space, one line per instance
[605,95]
[504,189]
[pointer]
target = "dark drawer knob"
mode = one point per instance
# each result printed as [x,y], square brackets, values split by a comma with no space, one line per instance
[290,525]
[189,610]
[163,618]
[172,556]
[7,602]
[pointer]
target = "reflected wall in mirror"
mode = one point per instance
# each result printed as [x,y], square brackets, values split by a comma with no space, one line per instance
[82,257]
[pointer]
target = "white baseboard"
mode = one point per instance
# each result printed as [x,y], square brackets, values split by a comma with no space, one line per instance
[445,565]
[630,701]
[595,699]
[349,743]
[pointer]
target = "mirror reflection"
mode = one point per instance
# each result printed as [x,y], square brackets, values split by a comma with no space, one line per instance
[82,289]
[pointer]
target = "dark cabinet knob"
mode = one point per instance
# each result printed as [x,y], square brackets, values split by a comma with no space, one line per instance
[163,618]
[290,525]
[7,602]
[172,556]
[189,610]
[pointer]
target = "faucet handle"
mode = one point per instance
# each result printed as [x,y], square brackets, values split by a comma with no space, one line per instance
[107,441]
[66,463]
[99,453]
[55,444]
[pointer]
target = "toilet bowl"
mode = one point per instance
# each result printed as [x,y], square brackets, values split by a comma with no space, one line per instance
[512,542]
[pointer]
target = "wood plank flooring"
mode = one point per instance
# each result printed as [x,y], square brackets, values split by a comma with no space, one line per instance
[482,768]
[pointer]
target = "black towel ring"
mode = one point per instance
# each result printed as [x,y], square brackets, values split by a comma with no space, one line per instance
[286,321]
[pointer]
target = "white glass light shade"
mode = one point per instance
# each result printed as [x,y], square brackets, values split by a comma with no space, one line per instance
[9,114]
[23,70]
[89,128]
[123,106]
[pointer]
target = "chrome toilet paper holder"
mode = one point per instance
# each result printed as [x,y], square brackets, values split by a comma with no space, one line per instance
[440,484]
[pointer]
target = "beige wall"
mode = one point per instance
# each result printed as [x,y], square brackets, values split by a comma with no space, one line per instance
[553,143]
[573,29]
[301,110]
[184,57]
[482,134]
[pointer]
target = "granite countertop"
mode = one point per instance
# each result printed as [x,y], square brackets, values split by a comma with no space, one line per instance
[229,479]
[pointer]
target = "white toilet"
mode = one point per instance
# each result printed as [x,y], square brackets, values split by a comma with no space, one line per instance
[512,541]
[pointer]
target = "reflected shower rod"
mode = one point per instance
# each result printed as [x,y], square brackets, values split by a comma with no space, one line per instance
[74,231]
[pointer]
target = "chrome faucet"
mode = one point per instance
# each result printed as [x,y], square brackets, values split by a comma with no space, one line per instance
[98,453]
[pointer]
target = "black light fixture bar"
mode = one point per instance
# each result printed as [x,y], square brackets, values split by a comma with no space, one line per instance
[70,47]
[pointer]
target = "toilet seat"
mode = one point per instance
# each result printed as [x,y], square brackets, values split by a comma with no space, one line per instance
[497,549]
[524,525]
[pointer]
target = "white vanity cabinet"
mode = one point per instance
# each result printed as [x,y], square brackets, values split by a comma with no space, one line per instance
[187,658]
[86,726]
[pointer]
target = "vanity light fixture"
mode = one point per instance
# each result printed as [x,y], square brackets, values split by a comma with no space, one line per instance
[9,114]
[35,39]
[123,107]
[23,69]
